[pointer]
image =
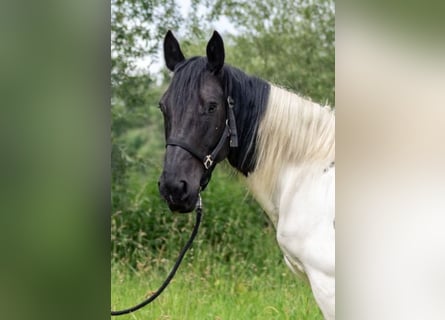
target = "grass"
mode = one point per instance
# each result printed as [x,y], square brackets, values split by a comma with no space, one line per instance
[204,290]
[234,270]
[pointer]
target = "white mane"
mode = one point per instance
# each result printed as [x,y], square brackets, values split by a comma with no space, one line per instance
[294,131]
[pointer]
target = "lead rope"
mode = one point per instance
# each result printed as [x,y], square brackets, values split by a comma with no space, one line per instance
[172,273]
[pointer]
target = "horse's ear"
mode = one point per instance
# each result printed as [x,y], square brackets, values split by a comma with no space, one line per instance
[172,51]
[215,53]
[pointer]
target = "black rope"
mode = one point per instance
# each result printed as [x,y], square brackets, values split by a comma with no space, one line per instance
[172,273]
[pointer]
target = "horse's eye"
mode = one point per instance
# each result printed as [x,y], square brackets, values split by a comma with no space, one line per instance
[161,106]
[211,107]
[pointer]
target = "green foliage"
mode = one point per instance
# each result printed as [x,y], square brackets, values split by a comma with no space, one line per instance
[290,43]
[136,29]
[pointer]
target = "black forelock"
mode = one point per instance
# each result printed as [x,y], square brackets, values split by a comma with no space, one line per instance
[191,64]
[187,77]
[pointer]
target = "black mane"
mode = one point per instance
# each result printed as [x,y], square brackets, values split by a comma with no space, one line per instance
[250,95]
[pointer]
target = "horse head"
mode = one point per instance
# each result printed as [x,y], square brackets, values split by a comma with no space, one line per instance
[195,120]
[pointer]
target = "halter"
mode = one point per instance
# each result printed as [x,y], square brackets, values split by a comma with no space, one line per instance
[229,132]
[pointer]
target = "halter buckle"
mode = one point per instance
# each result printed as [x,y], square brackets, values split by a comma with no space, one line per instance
[208,162]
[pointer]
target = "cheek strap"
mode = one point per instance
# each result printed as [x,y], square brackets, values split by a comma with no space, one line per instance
[206,159]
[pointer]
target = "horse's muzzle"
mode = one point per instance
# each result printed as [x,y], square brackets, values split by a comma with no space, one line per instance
[178,194]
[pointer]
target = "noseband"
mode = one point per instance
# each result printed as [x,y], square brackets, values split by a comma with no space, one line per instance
[229,132]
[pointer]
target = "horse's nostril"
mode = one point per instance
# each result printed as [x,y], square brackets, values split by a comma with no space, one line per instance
[183,186]
[177,189]
[183,189]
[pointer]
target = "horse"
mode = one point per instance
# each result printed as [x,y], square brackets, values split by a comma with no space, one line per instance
[282,143]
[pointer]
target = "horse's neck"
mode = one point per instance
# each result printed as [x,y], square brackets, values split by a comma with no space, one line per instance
[295,136]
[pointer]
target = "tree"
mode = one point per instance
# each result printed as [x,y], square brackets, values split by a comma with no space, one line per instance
[291,43]
[137,28]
